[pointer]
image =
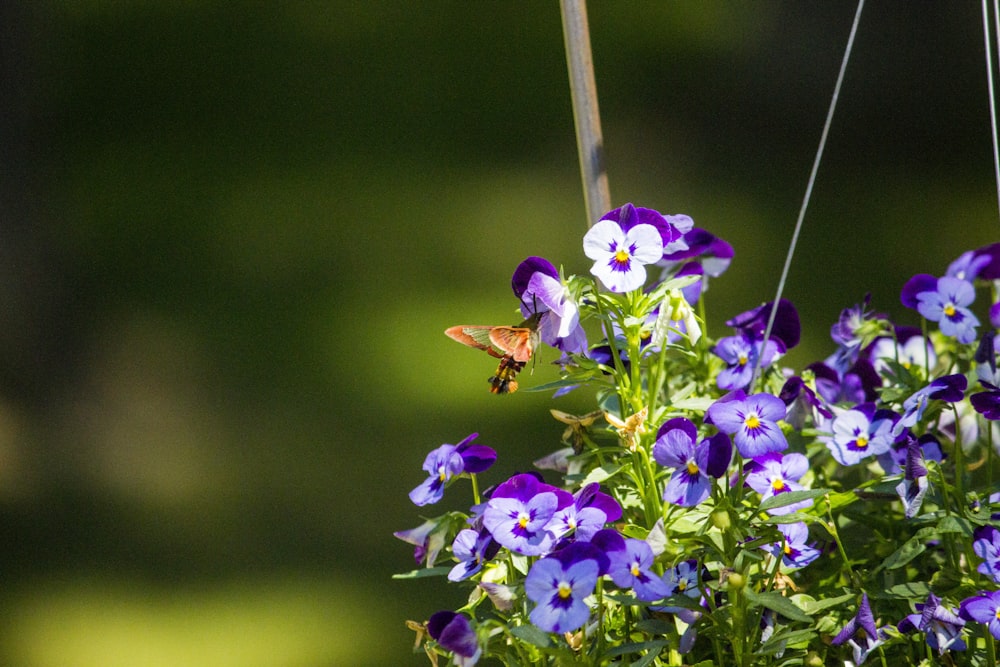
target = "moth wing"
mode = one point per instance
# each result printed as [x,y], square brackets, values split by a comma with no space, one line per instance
[474,336]
[518,342]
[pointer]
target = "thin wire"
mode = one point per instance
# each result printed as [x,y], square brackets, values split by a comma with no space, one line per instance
[809,188]
[989,83]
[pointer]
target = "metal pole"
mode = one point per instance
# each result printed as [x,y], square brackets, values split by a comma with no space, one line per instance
[586,115]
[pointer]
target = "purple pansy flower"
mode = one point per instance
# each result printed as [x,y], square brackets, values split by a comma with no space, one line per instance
[773,474]
[428,539]
[586,515]
[558,585]
[741,354]
[986,545]
[448,461]
[694,464]
[913,488]
[472,548]
[794,551]
[987,403]
[855,385]
[942,625]
[947,304]
[948,388]
[752,420]
[454,633]
[860,633]
[519,511]
[620,251]
[893,462]
[536,283]
[859,433]
[786,330]
[980,263]
[632,568]
[983,607]
[802,403]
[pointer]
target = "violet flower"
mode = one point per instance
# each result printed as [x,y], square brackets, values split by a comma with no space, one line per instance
[983,607]
[519,511]
[454,633]
[794,551]
[742,355]
[859,433]
[941,625]
[694,464]
[860,633]
[632,568]
[986,545]
[773,474]
[472,548]
[536,283]
[753,421]
[620,250]
[558,584]
[948,388]
[448,461]
[946,302]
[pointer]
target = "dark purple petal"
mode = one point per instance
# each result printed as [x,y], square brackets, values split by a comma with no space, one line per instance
[786,330]
[950,388]
[918,284]
[580,551]
[990,270]
[526,269]
[720,452]
[453,632]
[987,403]
[592,496]
[629,216]
[681,423]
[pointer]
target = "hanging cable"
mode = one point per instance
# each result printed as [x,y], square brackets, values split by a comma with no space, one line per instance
[809,187]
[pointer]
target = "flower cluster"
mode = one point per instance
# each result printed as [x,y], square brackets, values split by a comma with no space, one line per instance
[714,507]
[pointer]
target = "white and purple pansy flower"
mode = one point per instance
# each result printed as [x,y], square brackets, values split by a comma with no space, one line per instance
[942,625]
[519,511]
[536,283]
[621,246]
[751,420]
[449,461]
[775,474]
[861,432]
[472,548]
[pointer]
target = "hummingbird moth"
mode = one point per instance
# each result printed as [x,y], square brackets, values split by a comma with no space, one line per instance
[513,346]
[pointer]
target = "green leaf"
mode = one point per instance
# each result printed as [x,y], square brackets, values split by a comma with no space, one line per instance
[792,497]
[916,590]
[912,548]
[777,602]
[601,474]
[698,403]
[812,606]
[425,572]
[954,524]
[783,638]
[842,499]
[625,649]
[531,635]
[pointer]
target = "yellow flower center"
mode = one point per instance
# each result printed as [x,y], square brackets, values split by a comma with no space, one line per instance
[682,585]
[752,421]
[565,590]
[692,468]
[621,256]
[742,361]
[861,442]
[949,310]
[635,570]
[778,484]
[442,475]
[522,520]
[787,549]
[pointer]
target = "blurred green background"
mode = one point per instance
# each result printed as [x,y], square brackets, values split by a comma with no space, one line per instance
[233,233]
